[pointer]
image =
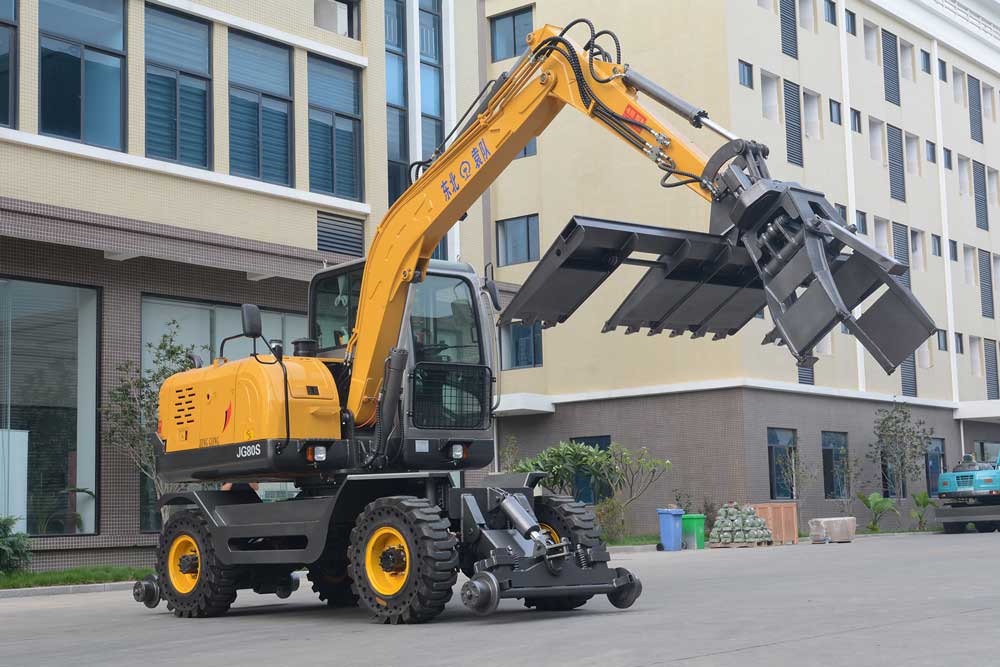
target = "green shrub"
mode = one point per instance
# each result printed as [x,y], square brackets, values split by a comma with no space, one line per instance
[923,502]
[15,549]
[878,506]
[611,519]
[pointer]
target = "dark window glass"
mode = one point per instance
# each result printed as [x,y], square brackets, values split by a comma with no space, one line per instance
[260,65]
[935,245]
[335,303]
[861,221]
[177,90]
[396,98]
[830,11]
[395,79]
[177,41]
[835,465]
[430,36]
[850,22]
[835,116]
[431,135]
[61,84]
[746,74]
[334,128]
[517,240]
[856,121]
[931,152]
[7,10]
[442,323]
[244,133]
[584,489]
[780,458]
[942,340]
[102,110]
[524,343]
[275,128]
[509,33]
[959,343]
[397,135]
[935,464]
[95,22]
[842,212]
[889,480]
[395,24]
[942,70]
[531,148]
[430,90]
[946,157]
[398,180]
[925,61]
[6,80]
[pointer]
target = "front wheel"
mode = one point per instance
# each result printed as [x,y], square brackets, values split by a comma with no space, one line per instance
[193,581]
[953,527]
[402,559]
[559,517]
[986,526]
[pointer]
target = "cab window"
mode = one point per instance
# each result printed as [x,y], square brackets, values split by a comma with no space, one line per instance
[443,322]
[336,308]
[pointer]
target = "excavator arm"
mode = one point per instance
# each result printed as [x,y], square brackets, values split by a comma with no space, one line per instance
[772,244]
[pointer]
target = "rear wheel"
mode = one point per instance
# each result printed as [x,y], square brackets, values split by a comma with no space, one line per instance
[986,526]
[953,527]
[402,559]
[192,579]
[559,517]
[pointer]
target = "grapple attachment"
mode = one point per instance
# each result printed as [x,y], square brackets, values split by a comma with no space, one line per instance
[784,248]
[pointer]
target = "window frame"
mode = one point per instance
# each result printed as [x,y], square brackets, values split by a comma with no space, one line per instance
[835,451]
[358,118]
[527,225]
[850,22]
[12,98]
[261,96]
[209,89]
[830,12]
[937,245]
[942,340]
[856,124]
[537,355]
[513,14]
[743,67]
[834,104]
[122,56]
[926,62]
[771,462]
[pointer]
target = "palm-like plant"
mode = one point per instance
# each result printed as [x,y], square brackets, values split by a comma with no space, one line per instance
[877,505]
[923,502]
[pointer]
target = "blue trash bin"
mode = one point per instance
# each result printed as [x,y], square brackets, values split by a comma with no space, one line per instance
[670,529]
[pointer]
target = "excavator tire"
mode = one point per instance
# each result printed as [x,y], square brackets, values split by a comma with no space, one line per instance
[562,516]
[402,559]
[193,581]
[329,575]
[985,526]
[953,527]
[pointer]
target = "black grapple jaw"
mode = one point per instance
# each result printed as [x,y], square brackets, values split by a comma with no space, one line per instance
[772,244]
[817,273]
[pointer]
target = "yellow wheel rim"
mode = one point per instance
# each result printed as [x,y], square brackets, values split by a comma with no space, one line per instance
[550,531]
[183,582]
[385,581]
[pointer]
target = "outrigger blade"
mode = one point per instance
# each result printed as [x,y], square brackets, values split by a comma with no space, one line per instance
[786,249]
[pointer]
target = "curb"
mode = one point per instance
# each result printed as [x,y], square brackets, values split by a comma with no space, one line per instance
[632,548]
[65,590]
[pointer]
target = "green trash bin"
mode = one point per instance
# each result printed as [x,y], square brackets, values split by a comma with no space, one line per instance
[693,531]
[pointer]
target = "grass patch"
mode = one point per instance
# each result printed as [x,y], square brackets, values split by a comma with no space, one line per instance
[78,575]
[632,540]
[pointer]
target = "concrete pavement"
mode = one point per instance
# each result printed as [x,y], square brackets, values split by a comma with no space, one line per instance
[894,600]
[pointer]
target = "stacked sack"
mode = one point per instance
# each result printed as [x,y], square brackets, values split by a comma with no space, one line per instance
[739,525]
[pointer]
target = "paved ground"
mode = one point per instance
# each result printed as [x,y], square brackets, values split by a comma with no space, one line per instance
[906,600]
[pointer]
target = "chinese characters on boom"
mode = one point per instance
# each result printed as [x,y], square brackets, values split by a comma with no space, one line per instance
[451,185]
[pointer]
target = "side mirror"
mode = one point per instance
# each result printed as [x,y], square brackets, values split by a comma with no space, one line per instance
[491,289]
[251,321]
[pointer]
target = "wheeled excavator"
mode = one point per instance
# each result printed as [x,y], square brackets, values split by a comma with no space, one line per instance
[393,391]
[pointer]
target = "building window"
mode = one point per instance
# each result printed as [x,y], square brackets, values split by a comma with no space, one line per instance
[942,340]
[746,74]
[889,480]
[517,240]
[925,61]
[906,60]
[934,464]
[48,407]
[856,121]
[260,106]
[946,157]
[953,250]
[861,221]
[509,33]
[203,326]
[769,95]
[871,42]
[531,148]
[335,156]
[82,53]
[850,22]
[976,355]
[842,212]
[178,75]
[807,374]
[931,152]
[911,153]
[959,343]
[830,11]
[807,18]
[917,262]
[339,16]
[835,115]
[521,346]
[942,70]
[811,114]
[345,236]
[781,454]
[835,465]
[431,81]
[396,98]
[8,66]
[585,490]
[935,245]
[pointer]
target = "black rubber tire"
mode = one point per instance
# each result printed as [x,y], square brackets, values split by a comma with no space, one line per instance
[953,527]
[985,526]
[215,590]
[572,520]
[329,575]
[433,566]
